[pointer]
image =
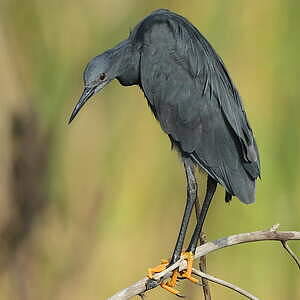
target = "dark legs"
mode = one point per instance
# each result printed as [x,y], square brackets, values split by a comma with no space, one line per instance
[191,198]
[189,253]
[210,190]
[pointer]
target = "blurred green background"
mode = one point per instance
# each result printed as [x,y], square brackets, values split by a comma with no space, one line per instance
[87,208]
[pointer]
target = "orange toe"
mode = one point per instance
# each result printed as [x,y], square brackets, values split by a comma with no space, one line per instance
[158,269]
[170,289]
[189,257]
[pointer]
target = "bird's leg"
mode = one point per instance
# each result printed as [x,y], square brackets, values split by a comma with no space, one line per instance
[210,190]
[189,254]
[191,198]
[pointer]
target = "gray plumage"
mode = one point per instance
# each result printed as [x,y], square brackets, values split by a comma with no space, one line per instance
[191,95]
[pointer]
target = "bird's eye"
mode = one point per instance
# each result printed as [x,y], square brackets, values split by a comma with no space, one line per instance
[102,76]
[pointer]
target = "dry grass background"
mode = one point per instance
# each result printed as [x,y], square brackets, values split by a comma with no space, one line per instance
[110,181]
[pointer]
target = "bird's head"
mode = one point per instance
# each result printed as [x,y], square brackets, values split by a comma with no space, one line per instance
[120,62]
[98,73]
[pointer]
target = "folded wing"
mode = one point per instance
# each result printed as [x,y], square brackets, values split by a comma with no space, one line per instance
[195,101]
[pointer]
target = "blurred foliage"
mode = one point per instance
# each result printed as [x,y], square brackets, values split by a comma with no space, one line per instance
[115,192]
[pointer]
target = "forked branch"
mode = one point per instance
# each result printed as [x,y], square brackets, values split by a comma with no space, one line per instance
[272,234]
[224,283]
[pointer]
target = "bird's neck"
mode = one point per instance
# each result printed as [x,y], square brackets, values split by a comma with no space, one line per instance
[128,66]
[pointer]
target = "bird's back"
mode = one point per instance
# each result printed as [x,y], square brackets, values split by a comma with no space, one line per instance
[191,94]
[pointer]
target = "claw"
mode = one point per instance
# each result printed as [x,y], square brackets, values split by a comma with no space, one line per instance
[173,280]
[157,269]
[171,283]
[189,257]
[170,289]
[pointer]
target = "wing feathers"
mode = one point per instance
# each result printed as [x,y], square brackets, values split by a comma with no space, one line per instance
[194,99]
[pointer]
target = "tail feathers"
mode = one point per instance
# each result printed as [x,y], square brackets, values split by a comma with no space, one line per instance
[246,192]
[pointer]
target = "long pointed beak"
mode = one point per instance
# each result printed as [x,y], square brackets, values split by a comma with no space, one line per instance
[86,95]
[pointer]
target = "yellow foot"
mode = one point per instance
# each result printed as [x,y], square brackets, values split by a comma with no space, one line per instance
[171,283]
[189,257]
[158,269]
[170,289]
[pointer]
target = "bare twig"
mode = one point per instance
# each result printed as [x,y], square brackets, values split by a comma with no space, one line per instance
[202,261]
[291,253]
[203,267]
[140,286]
[224,283]
[274,227]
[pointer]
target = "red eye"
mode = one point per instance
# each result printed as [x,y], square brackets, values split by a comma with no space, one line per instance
[102,76]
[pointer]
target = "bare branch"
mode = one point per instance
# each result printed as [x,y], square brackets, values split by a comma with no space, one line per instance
[224,283]
[291,253]
[203,267]
[140,286]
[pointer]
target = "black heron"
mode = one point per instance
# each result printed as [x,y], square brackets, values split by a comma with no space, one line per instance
[196,103]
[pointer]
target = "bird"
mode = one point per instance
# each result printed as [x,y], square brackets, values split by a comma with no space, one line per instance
[189,91]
